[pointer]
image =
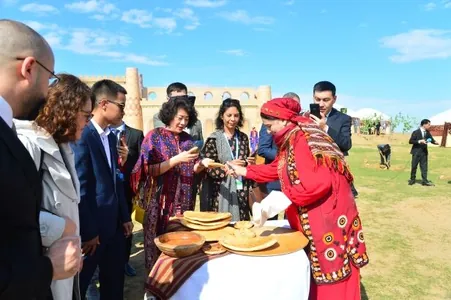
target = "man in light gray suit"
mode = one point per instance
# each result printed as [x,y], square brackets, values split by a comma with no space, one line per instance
[179,89]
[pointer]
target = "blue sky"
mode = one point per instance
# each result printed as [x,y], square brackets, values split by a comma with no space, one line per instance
[389,55]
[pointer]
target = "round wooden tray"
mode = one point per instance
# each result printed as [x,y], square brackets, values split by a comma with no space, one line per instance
[288,241]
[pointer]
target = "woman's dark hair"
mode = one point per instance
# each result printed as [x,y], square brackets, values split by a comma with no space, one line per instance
[226,104]
[170,108]
[266,117]
[65,99]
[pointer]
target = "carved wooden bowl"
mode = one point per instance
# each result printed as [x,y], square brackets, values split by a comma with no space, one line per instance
[179,243]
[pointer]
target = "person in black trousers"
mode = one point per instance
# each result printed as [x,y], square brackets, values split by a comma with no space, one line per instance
[419,140]
[133,138]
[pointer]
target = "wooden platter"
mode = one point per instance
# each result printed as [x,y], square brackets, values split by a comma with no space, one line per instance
[288,241]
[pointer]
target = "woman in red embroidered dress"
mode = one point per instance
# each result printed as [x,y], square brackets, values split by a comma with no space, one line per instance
[315,177]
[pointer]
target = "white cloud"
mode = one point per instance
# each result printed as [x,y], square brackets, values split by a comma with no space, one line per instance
[40,9]
[138,17]
[91,6]
[41,26]
[241,16]
[206,3]
[167,24]
[8,2]
[447,4]
[430,6]
[290,2]
[235,52]
[84,41]
[188,15]
[419,44]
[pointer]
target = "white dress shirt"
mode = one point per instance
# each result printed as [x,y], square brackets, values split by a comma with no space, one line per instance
[104,138]
[6,112]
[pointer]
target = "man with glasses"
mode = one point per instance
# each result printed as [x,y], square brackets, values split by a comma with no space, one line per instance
[104,218]
[26,61]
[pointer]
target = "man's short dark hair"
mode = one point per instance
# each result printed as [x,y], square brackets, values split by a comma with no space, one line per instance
[170,108]
[176,87]
[324,86]
[425,121]
[292,96]
[107,88]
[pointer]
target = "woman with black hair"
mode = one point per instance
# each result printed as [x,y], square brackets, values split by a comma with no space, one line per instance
[227,144]
[162,179]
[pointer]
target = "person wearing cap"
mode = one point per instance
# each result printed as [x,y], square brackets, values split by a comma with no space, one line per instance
[315,177]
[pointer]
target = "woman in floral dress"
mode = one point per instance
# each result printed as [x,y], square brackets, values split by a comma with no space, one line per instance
[220,192]
[163,176]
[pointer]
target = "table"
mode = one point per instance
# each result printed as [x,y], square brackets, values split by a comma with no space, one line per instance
[242,277]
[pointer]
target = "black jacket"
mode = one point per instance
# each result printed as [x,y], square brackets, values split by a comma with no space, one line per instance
[25,273]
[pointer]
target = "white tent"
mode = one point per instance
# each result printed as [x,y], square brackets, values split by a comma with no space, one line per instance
[370,113]
[441,118]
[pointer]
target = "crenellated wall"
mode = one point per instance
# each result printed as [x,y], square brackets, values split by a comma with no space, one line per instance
[144,102]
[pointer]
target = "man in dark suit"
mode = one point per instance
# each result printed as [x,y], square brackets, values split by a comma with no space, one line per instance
[104,217]
[26,65]
[133,138]
[419,141]
[267,148]
[179,89]
[334,122]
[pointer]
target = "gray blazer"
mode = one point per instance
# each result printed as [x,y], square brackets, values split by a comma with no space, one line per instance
[195,131]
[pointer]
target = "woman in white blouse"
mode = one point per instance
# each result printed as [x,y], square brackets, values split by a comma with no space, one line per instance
[60,122]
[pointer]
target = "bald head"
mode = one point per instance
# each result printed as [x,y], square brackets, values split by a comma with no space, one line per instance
[19,40]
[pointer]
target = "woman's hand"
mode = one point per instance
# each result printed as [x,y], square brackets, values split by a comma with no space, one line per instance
[251,160]
[185,157]
[206,161]
[235,170]
[238,162]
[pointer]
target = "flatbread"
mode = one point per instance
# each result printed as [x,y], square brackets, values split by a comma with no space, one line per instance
[190,225]
[206,216]
[214,165]
[215,234]
[244,233]
[209,223]
[213,248]
[247,244]
[243,225]
[193,150]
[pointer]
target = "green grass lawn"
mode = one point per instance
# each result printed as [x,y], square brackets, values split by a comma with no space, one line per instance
[407,228]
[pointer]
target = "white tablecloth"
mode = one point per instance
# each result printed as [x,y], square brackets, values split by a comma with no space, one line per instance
[239,277]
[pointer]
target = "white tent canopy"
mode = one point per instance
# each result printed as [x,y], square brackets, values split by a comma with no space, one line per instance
[365,113]
[441,118]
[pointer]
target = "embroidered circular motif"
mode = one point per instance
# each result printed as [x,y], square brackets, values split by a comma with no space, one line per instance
[328,238]
[342,221]
[360,237]
[356,223]
[330,254]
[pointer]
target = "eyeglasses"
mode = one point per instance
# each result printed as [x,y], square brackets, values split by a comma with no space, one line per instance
[120,105]
[53,79]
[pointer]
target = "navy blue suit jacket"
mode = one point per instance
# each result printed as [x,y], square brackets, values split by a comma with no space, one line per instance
[102,206]
[340,129]
[267,149]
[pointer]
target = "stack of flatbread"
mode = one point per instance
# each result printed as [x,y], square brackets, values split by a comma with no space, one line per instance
[198,220]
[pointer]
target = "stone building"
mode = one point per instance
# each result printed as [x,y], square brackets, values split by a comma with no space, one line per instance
[143,102]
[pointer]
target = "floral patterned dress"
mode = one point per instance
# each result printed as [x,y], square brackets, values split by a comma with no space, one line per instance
[166,195]
[215,177]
